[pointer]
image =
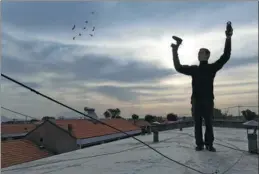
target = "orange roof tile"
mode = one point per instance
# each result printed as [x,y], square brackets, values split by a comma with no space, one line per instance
[85,129]
[16,128]
[20,151]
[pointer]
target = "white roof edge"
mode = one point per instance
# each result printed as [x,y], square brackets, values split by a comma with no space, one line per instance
[12,135]
[252,123]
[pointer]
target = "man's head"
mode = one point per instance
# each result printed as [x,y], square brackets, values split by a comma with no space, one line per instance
[203,54]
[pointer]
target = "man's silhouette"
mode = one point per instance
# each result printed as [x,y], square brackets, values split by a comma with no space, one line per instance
[202,99]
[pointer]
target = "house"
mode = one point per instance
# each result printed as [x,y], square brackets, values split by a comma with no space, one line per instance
[15,131]
[19,151]
[144,125]
[59,136]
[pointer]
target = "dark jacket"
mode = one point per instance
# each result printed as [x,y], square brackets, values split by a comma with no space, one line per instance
[203,75]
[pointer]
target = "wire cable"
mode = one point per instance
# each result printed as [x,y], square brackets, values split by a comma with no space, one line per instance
[68,107]
[17,112]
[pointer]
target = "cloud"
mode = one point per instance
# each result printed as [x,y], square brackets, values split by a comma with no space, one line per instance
[120,93]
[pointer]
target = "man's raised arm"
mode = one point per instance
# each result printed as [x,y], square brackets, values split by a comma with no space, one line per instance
[227,50]
[184,69]
[225,57]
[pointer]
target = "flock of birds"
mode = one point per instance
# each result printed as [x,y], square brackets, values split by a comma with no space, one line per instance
[84,28]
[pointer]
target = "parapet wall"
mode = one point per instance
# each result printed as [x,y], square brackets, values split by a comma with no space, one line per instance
[185,124]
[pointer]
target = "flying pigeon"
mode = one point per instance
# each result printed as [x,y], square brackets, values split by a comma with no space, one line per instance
[86,21]
[84,28]
[74,38]
[93,12]
[93,29]
[79,34]
[74,27]
[91,35]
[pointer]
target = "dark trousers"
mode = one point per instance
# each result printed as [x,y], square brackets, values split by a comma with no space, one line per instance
[203,109]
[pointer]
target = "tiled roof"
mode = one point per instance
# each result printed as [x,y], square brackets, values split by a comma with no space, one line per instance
[140,123]
[16,128]
[85,129]
[20,151]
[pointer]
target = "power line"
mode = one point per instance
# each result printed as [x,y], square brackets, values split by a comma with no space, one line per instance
[241,107]
[66,106]
[249,106]
[17,112]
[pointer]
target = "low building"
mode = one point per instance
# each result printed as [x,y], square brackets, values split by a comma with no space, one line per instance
[144,125]
[53,134]
[20,151]
[52,137]
[15,131]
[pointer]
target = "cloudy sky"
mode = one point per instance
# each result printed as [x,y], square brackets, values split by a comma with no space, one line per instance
[127,64]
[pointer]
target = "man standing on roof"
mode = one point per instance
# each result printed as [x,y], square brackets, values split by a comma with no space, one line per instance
[202,99]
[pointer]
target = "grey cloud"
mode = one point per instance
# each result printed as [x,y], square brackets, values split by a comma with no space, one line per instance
[166,100]
[236,93]
[240,62]
[236,84]
[121,94]
[89,67]
[132,94]
[33,85]
[92,68]
[11,65]
[35,50]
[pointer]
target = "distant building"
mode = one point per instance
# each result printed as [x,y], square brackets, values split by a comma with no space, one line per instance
[15,131]
[15,152]
[144,125]
[61,136]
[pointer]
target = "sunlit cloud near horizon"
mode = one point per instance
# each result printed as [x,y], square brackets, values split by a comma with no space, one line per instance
[127,64]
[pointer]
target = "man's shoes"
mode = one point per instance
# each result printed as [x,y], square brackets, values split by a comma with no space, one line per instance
[211,148]
[199,148]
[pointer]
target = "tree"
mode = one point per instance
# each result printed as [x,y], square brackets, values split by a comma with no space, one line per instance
[106,114]
[158,119]
[113,113]
[150,118]
[248,114]
[171,117]
[117,113]
[135,117]
[217,113]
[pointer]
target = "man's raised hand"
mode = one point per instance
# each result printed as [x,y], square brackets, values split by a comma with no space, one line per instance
[178,42]
[229,29]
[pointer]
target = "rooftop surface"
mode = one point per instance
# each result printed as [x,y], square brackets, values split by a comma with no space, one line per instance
[130,157]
